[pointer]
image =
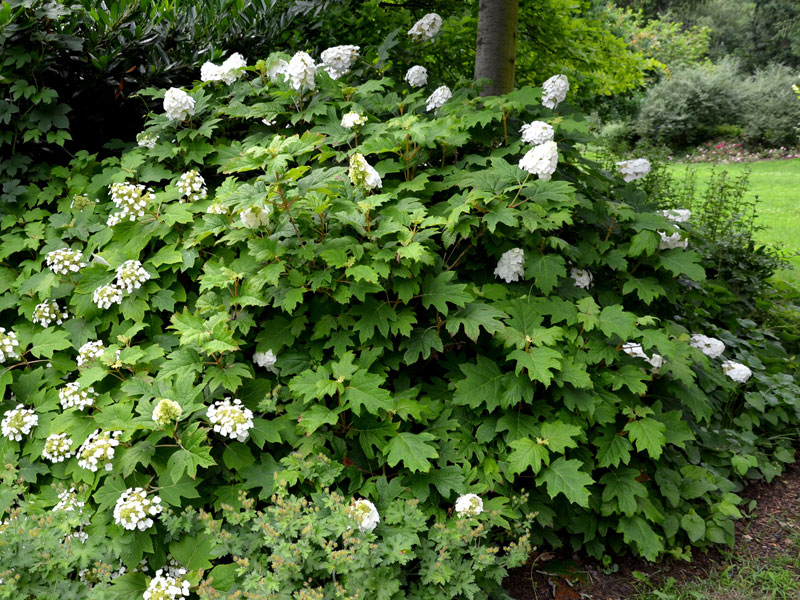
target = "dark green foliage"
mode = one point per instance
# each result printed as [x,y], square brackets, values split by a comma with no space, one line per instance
[701,102]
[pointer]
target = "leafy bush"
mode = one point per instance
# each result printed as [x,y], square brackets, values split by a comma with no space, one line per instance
[704,102]
[685,109]
[285,306]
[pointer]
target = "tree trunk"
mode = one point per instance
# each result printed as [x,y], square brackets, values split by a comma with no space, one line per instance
[496,47]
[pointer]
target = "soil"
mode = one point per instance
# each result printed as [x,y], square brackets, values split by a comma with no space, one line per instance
[573,577]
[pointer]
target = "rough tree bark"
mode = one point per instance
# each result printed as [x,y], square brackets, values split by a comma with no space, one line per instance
[496,47]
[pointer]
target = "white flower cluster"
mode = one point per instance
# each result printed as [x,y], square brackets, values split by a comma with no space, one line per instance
[541,160]
[64,261]
[469,505]
[417,76]
[737,371]
[636,350]
[711,347]
[301,71]
[216,208]
[106,295]
[178,104]
[277,68]
[437,99]
[145,139]
[167,587]
[677,215]
[228,72]
[68,501]
[352,119]
[255,216]
[266,359]
[634,169]
[90,351]
[193,186]
[582,277]
[47,312]
[675,240]
[131,199]
[339,60]
[81,536]
[232,420]
[131,275]
[73,396]
[555,90]
[427,27]
[8,345]
[18,422]
[365,515]
[362,174]
[511,266]
[98,450]
[537,132]
[134,509]
[57,447]
[166,411]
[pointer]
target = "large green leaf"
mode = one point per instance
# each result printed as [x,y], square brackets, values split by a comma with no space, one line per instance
[412,449]
[565,477]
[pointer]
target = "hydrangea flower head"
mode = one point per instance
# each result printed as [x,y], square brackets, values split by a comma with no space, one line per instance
[57,447]
[217,208]
[582,277]
[255,216]
[64,261]
[131,275]
[438,98]
[134,509]
[167,586]
[8,345]
[737,371]
[555,90]
[469,505]
[98,450]
[711,347]
[362,174]
[301,71]
[278,68]
[511,266]
[166,411]
[178,104]
[68,501]
[146,140]
[417,76]
[72,395]
[537,132]
[230,69]
[18,422]
[677,215]
[365,515]
[193,186]
[231,419]
[636,350]
[266,359]
[339,60]
[48,312]
[632,170]
[541,160]
[352,119]
[131,199]
[106,295]
[675,240]
[90,351]
[427,27]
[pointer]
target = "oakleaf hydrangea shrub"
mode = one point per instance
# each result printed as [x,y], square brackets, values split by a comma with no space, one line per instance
[412,299]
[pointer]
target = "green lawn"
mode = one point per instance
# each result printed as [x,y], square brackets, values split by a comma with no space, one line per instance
[777,185]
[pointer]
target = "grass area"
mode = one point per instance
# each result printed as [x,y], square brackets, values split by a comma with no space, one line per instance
[767,578]
[776,183]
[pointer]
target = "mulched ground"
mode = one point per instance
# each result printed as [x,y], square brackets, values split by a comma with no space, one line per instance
[579,578]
